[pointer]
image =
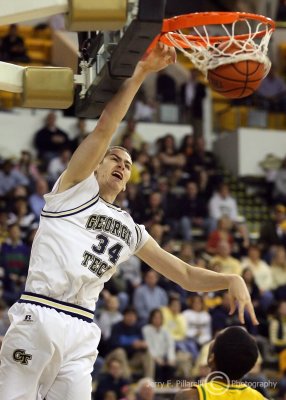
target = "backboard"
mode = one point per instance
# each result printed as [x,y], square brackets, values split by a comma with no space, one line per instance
[113,55]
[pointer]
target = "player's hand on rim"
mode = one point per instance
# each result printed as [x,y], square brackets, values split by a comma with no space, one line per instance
[240,298]
[159,58]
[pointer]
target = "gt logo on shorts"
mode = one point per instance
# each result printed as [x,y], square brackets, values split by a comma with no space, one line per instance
[21,357]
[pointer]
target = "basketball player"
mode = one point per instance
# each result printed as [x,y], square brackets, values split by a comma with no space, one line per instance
[51,346]
[231,355]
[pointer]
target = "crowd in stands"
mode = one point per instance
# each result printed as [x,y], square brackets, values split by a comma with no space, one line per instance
[150,326]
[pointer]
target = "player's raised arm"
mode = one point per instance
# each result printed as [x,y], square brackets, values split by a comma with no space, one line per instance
[91,151]
[198,279]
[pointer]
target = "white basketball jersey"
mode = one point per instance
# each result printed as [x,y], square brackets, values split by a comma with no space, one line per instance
[80,241]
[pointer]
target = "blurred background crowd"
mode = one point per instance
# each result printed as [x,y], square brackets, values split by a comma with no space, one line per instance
[150,326]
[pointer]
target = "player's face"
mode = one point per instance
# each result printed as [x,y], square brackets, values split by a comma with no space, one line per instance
[115,170]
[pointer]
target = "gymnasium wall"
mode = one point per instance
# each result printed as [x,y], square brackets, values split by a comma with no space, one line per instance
[18,128]
[242,151]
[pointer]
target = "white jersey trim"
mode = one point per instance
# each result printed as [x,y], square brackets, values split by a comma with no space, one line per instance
[110,205]
[72,211]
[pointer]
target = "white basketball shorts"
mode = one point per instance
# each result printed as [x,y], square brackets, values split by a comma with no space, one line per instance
[47,354]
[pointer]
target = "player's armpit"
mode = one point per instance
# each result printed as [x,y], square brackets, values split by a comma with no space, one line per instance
[187,394]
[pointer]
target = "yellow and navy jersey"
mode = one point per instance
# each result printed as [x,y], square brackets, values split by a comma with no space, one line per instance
[79,243]
[218,390]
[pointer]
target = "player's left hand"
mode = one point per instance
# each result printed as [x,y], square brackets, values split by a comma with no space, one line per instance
[239,294]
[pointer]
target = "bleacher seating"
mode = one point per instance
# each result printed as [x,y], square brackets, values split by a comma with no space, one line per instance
[38,41]
[228,117]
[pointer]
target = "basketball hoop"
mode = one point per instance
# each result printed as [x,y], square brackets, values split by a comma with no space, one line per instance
[248,33]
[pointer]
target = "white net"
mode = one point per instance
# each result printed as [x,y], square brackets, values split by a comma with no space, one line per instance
[207,54]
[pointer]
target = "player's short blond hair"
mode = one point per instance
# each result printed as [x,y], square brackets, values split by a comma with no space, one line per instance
[117,147]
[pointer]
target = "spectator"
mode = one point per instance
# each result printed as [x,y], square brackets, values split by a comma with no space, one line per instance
[198,321]
[57,165]
[281,12]
[187,146]
[130,130]
[193,93]
[271,93]
[113,380]
[10,178]
[205,183]
[14,259]
[127,335]
[175,324]
[81,134]
[169,156]
[193,212]
[174,321]
[166,91]
[19,191]
[4,320]
[154,212]
[186,253]
[161,346]
[149,296]
[145,188]
[50,139]
[278,269]
[248,277]
[261,270]
[277,328]
[127,143]
[222,319]
[27,166]
[229,264]
[187,95]
[223,204]
[223,232]
[145,389]
[201,159]
[201,368]
[138,166]
[130,271]
[3,226]
[23,216]
[144,109]
[279,194]
[13,47]
[256,378]
[116,286]
[272,232]
[177,181]
[109,316]
[169,201]
[36,200]
[109,395]
[262,275]
[156,168]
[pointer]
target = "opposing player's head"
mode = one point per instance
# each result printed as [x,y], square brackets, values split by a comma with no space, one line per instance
[233,352]
[114,170]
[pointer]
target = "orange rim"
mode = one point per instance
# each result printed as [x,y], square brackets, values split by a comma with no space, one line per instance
[209,18]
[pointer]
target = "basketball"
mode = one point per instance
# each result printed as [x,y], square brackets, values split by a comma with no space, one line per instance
[238,79]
